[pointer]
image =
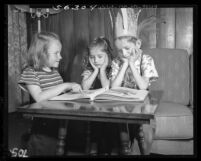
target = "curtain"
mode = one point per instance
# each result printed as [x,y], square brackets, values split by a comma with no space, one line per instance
[17,50]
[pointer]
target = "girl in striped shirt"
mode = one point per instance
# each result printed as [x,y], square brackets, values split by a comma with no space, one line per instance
[41,78]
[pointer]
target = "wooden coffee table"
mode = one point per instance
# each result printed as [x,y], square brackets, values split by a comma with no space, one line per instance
[115,112]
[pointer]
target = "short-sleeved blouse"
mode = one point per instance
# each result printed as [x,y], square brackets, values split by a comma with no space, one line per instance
[144,65]
[43,79]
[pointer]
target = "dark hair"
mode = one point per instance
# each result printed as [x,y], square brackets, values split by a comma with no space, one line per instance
[98,42]
[37,53]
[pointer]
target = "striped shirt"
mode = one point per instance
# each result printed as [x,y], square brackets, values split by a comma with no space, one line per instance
[43,79]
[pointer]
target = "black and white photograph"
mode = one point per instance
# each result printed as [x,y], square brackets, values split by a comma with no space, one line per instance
[104,81]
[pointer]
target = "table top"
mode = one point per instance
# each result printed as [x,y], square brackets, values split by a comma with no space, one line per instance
[108,111]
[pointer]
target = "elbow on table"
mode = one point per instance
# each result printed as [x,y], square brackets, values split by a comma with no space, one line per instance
[39,98]
[84,86]
[112,85]
[144,87]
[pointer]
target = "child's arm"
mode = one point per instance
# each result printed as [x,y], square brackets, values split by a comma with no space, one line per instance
[88,81]
[120,76]
[39,95]
[142,82]
[103,77]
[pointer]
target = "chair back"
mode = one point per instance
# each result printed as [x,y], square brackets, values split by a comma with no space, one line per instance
[174,74]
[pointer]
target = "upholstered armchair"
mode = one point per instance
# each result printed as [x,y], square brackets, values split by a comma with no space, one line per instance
[171,132]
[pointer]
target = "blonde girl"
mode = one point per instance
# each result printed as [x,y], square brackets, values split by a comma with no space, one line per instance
[41,78]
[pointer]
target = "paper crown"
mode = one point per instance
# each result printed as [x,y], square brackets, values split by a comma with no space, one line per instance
[126,22]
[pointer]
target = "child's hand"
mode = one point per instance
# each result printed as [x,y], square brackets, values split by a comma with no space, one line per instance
[105,64]
[134,56]
[76,87]
[125,60]
[93,66]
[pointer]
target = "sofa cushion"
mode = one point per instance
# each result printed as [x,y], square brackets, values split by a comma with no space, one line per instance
[173,69]
[173,121]
[173,147]
[166,147]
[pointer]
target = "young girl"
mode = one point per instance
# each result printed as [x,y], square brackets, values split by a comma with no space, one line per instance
[41,78]
[131,69]
[96,73]
[97,64]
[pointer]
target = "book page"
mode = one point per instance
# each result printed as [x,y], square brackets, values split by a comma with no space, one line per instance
[123,94]
[70,96]
[105,94]
[85,94]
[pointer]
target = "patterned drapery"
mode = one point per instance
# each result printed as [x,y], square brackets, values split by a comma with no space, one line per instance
[17,49]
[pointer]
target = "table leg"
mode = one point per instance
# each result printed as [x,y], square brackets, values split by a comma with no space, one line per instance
[61,137]
[125,143]
[141,141]
[88,138]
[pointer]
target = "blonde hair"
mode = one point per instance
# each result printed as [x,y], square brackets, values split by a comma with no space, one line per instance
[127,38]
[37,53]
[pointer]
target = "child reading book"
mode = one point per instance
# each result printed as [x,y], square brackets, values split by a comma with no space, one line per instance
[131,68]
[40,78]
[97,65]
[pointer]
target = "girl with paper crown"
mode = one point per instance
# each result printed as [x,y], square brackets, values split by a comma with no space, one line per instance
[131,68]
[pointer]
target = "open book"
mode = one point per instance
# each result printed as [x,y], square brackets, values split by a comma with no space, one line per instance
[105,94]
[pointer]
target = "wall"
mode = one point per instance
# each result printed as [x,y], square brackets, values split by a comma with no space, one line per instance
[178,30]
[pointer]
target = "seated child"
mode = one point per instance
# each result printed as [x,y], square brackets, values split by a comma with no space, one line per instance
[131,68]
[97,64]
[96,75]
[41,78]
